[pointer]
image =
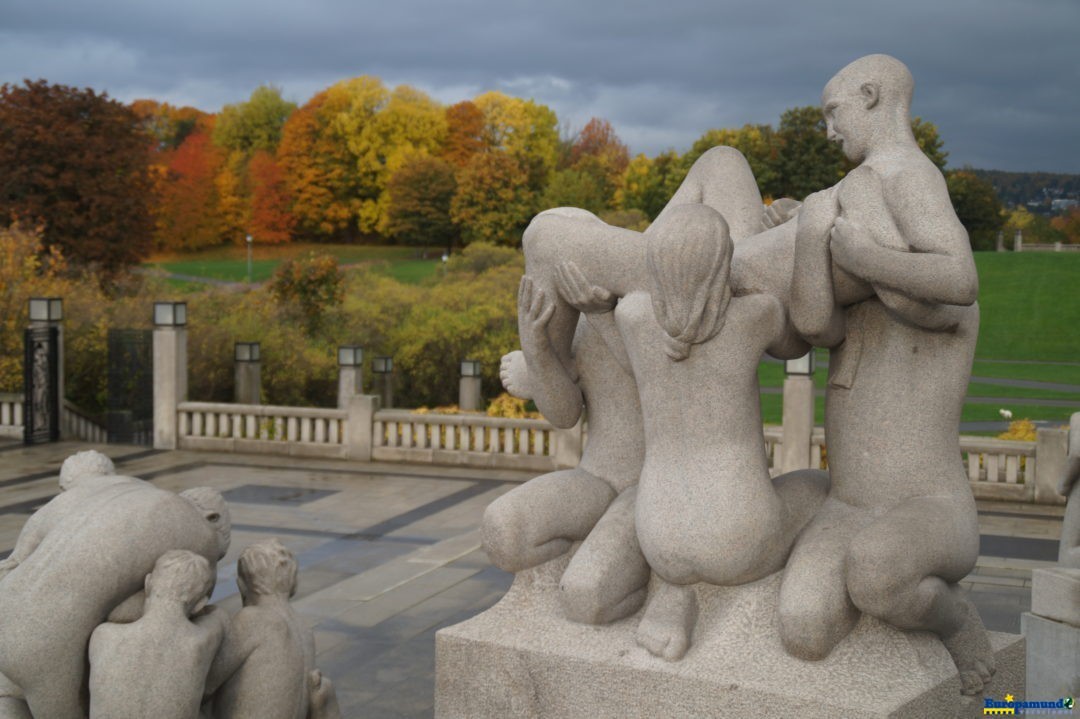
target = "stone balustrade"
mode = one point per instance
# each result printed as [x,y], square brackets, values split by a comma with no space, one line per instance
[11,415]
[473,440]
[76,424]
[999,468]
[298,431]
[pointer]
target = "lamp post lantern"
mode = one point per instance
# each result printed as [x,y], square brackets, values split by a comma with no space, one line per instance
[384,367]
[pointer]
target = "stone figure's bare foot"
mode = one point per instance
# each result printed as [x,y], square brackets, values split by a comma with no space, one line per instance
[669,620]
[971,651]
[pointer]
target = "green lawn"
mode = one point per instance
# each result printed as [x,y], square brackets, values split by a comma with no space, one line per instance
[1030,306]
[406,264]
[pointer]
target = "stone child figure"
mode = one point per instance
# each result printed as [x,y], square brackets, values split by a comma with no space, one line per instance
[707,510]
[89,550]
[541,519]
[899,529]
[263,670]
[157,665]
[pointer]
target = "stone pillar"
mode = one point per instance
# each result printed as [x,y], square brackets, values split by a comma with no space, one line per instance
[469,397]
[360,426]
[350,384]
[1051,448]
[170,383]
[248,373]
[569,444]
[798,417]
[1000,244]
[1057,246]
[1018,241]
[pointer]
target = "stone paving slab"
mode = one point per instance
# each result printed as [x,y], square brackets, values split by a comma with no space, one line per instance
[390,553]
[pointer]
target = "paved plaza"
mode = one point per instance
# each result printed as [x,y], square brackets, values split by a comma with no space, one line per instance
[389,554]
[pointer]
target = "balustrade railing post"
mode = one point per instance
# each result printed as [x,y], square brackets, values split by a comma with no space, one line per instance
[359,427]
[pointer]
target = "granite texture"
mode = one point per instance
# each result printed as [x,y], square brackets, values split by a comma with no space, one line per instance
[1055,594]
[1069,553]
[521,658]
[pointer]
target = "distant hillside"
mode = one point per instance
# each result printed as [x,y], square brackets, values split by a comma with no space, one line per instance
[1037,190]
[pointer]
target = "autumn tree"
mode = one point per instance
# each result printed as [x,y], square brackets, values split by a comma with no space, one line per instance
[319,171]
[188,211]
[167,125]
[76,162]
[1068,224]
[464,133]
[525,131]
[271,220]
[493,202]
[420,193]
[595,164]
[977,206]
[254,125]
[926,134]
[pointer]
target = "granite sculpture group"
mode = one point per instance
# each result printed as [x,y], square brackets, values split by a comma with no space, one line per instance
[657,337]
[104,606]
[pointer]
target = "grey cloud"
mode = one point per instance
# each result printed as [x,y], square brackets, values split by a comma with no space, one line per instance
[998,77]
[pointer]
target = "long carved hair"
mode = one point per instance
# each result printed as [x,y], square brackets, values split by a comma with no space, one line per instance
[689,262]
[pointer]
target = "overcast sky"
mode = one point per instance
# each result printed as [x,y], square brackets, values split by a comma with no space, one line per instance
[1000,78]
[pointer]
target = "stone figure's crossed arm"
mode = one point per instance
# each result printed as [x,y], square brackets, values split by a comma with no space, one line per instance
[552,383]
[934,264]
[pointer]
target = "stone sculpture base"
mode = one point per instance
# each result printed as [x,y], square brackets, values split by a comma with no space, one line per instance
[522,659]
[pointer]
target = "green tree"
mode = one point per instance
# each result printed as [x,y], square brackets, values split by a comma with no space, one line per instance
[576,188]
[77,163]
[309,286]
[977,206]
[649,183]
[759,145]
[248,127]
[420,193]
[807,162]
[926,134]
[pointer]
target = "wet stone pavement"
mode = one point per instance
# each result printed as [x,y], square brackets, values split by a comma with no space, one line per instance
[389,554]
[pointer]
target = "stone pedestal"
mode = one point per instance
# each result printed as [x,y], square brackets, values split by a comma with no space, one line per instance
[522,659]
[1053,658]
[1052,630]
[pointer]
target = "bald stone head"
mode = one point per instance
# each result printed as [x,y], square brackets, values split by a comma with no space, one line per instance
[867,106]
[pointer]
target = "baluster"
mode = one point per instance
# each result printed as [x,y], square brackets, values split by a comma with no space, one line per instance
[197,424]
[1012,468]
[992,468]
[973,466]
[250,426]
[335,433]
[508,440]
[320,430]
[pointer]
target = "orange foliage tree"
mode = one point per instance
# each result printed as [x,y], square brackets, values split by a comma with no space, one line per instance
[271,219]
[188,213]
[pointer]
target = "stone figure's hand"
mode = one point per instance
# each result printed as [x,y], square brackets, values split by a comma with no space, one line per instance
[579,294]
[847,240]
[780,212]
[515,374]
[816,216]
[535,310]
[322,699]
